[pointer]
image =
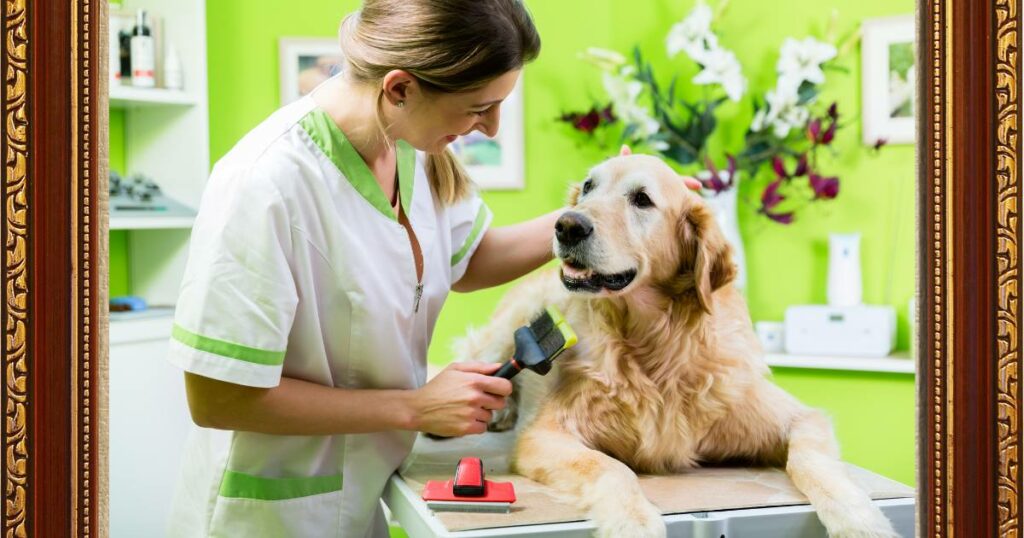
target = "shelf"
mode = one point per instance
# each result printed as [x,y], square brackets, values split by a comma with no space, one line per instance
[152,324]
[150,223]
[899,363]
[127,96]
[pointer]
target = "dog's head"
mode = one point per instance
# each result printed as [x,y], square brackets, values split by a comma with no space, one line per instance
[633,223]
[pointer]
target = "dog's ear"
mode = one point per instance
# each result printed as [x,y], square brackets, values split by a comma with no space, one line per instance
[705,254]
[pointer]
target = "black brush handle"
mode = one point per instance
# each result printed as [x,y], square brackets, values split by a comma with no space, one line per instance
[507,370]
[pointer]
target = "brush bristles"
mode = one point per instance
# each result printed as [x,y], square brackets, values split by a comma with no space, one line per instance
[542,326]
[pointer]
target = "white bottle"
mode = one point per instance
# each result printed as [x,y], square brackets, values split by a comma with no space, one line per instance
[114,67]
[174,77]
[844,281]
[143,54]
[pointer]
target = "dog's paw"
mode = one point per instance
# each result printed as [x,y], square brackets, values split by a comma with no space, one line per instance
[634,518]
[503,420]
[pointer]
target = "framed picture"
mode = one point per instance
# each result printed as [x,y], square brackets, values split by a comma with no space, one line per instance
[497,163]
[889,79]
[305,63]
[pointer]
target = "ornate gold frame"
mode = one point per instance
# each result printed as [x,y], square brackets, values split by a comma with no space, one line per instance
[54,369]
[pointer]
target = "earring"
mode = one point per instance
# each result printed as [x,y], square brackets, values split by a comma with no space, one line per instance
[401,104]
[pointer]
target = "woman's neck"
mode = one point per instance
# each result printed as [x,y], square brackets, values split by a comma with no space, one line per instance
[353,106]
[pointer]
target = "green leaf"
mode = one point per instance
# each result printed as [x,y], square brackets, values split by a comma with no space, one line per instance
[807,93]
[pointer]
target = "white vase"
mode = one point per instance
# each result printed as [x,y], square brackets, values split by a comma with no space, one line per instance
[723,205]
[844,281]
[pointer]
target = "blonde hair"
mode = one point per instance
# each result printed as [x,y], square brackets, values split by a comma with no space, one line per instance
[450,46]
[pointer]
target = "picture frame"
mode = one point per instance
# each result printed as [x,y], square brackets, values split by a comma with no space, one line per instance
[889,80]
[305,62]
[969,362]
[497,163]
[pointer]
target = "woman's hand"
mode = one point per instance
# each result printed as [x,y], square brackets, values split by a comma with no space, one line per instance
[459,400]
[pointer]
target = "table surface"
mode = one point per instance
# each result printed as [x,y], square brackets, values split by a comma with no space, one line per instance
[799,521]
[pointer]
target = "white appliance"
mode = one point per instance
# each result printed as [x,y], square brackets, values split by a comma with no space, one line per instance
[840,331]
[844,281]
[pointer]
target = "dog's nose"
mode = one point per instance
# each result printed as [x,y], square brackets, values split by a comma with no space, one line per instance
[571,228]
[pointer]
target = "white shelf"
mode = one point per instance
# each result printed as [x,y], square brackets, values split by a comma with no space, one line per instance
[128,96]
[152,324]
[150,223]
[897,363]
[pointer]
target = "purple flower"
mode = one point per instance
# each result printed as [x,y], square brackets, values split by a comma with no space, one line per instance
[714,182]
[779,167]
[771,198]
[825,188]
[801,166]
[814,131]
[833,111]
[607,115]
[830,134]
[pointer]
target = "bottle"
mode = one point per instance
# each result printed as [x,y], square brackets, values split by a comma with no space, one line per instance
[844,280]
[114,68]
[143,54]
[124,38]
[174,77]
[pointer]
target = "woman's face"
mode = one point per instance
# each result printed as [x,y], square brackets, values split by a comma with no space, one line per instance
[434,120]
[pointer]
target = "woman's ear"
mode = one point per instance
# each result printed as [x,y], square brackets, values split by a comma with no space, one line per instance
[705,253]
[398,85]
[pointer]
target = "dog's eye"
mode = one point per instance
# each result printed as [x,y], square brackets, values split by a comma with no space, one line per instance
[640,199]
[588,185]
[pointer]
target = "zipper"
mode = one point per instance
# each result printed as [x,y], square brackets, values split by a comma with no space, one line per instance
[419,293]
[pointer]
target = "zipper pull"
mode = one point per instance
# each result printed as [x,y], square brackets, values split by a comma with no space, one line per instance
[419,293]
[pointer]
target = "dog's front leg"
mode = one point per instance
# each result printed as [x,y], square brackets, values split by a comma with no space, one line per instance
[602,485]
[813,464]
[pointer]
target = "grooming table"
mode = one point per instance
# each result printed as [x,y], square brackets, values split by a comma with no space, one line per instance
[703,503]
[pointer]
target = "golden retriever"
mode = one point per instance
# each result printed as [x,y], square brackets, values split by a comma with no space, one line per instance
[668,372]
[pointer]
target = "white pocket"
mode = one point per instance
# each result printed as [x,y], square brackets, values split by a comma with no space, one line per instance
[313,516]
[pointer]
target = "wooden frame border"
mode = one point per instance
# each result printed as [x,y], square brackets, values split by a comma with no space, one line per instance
[55,248]
[969,392]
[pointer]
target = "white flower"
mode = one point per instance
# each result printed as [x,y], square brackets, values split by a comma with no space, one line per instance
[801,60]
[723,68]
[607,60]
[624,94]
[693,34]
[782,113]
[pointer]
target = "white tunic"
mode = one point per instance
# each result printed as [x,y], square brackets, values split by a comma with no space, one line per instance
[298,267]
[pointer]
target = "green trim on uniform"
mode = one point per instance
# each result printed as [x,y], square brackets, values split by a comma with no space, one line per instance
[246,486]
[478,224]
[227,349]
[336,147]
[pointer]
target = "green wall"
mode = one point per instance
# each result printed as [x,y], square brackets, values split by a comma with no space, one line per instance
[873,413]
[118,238]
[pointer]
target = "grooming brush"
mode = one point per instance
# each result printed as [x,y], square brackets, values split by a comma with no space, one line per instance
[469,491]
[538,344]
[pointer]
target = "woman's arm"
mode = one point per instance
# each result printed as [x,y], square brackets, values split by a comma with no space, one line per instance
[458,401]
[509,252]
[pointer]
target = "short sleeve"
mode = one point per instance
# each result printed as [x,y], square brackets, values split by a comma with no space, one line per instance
[469,219]
[238,298]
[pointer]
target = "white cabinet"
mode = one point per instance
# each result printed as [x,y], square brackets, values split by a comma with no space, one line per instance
[149,422]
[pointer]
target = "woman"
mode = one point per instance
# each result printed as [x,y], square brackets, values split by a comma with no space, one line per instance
[326,242]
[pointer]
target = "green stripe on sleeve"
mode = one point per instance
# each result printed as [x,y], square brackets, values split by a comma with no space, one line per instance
[246,486]
[478,225]
[227,349]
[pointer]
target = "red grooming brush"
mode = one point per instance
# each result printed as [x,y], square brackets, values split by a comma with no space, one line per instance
[469,491]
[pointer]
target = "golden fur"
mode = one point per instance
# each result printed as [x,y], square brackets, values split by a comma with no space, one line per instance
[668,372]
